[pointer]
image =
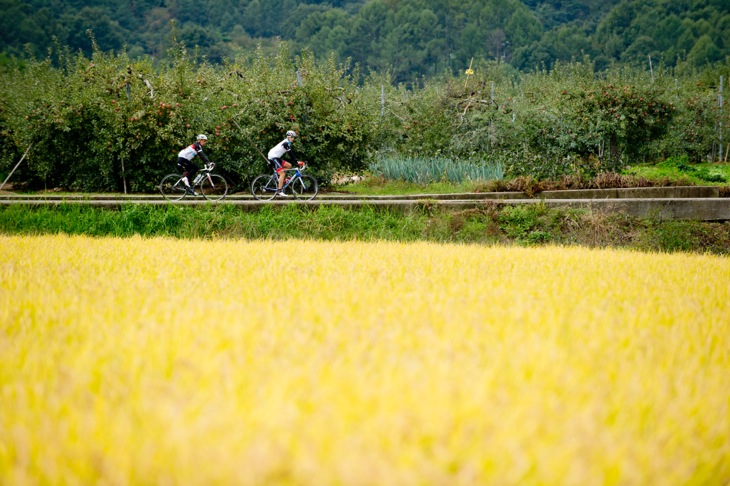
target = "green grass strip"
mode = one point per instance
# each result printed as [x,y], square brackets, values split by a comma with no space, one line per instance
[513,225]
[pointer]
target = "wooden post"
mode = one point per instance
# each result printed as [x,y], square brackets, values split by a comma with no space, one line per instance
[16,166]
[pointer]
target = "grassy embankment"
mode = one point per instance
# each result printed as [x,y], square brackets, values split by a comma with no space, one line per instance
[520,225]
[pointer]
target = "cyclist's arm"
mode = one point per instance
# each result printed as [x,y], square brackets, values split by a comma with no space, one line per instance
[203,156]
[293,155]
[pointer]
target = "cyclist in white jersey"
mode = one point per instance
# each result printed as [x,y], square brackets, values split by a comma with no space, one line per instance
[275,157]
[185,160]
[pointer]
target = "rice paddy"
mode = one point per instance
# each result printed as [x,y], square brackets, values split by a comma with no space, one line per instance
[165,361]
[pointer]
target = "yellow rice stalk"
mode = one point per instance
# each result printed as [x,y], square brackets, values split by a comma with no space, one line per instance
[161,361]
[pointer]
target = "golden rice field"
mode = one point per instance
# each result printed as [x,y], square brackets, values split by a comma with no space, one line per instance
[162,361]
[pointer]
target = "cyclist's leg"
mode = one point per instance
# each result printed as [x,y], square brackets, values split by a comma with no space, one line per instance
[279,169]
[282,172]
[192,169]
[184,165]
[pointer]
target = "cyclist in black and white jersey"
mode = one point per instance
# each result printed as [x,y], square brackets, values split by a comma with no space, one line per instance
[185,161]
[276,155]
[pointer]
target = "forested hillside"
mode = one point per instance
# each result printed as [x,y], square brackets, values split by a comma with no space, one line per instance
[409,38]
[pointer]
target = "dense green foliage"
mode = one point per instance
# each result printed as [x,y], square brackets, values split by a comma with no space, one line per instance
[407,38]
[110,123]
[521,225]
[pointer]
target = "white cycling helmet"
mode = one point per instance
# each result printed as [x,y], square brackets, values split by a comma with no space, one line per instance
[291,133]
[202,137]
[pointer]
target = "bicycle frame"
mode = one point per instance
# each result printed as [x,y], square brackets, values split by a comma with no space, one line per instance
[212,186]
[298,185]
[297,175]
[204,172]
[275,179]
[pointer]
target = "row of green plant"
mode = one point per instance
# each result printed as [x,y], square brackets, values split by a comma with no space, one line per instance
[112,124]
[424,170]
[522,225]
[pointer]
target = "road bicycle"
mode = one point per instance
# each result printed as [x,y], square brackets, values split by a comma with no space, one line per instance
[211,186]
[298,185]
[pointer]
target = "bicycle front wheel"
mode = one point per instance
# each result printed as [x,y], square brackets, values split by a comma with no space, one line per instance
[214,187]
[304,187]
[172,187]
[263,187]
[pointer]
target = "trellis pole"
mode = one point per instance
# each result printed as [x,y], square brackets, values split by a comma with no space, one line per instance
[249,141]
[16,166]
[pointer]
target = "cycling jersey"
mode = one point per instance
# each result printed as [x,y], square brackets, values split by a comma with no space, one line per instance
[195,149]
[280,149]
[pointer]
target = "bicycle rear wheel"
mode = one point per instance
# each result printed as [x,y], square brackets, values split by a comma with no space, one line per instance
[304,187]
[172,187]
[263,187]
[214,187]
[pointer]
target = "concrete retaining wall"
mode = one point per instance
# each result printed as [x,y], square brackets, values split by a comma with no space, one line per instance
[634,193]
[699,209]
[663,203]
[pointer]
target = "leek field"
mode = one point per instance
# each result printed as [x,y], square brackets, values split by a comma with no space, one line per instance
[154,360]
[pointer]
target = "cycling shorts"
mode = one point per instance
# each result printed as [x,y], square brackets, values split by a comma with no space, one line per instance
[277,163]
[187,166]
